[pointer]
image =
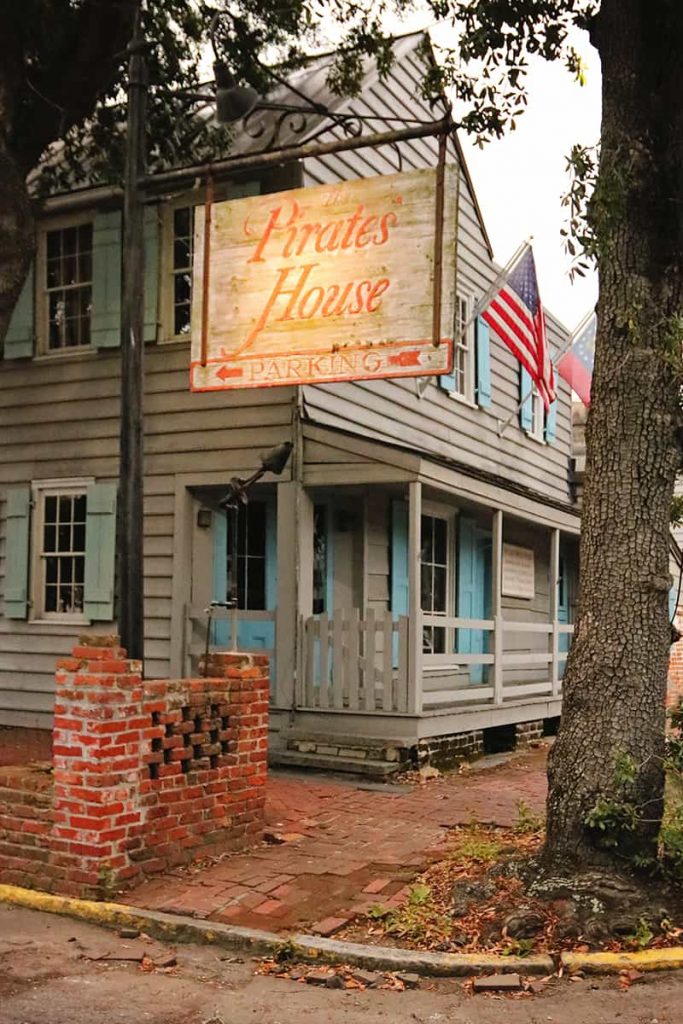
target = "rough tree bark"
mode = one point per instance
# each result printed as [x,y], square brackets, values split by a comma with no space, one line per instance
[615,682]
[58,59]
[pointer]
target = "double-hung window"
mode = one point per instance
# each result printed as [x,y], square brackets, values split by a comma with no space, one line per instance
[60,524]
[65,286]
[435,578]
[59,551]
[463,350]
[179,273]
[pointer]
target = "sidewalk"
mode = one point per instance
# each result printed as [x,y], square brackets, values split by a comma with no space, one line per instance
[336,849]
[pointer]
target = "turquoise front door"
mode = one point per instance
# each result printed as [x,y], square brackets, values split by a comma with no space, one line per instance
[256,573]
[474,590]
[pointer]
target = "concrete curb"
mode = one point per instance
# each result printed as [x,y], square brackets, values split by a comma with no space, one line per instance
[175,928]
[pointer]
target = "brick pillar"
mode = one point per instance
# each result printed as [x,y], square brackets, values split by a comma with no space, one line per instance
[98,745]
[148,774]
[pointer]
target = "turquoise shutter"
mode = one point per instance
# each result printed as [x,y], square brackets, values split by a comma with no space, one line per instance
[106,280]
[551,422]
[19,337]
[18,515]
[467,580]
[151,273]
[483,364]
[525,387]
[100,552]
[400,592]
[447,380]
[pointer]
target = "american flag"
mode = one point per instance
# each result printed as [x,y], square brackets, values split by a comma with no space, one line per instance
[516,315]
[576,365]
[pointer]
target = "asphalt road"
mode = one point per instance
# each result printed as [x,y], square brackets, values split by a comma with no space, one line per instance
[57,971]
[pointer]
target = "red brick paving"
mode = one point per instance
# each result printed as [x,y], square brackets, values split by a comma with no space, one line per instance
[353,847]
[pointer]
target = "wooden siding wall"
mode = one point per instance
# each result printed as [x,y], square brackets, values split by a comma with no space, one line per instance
[58,419]
[434,422]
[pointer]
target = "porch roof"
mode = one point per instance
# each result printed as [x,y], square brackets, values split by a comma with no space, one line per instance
[334,457]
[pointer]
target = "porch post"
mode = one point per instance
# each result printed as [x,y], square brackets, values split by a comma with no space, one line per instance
[496,609]
[294,585]
[554,607]
[414,601]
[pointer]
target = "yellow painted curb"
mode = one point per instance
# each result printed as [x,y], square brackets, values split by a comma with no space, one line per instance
[611,963]
[175,928]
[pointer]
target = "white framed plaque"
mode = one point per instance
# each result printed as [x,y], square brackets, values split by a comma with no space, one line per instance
[518,572]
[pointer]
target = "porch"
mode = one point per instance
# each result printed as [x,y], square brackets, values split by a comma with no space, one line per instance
[398,611]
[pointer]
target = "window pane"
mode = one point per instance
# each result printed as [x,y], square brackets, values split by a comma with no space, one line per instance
[319,559]
[51,569]
[79,537]
[51,599]
[182,222]
[440,541]
[257,528]
[49,538]
[64,538]
[181,253]
[439,589]
[426,587]
[50,509]
[64,504]
[54,245]
[79,508]
[256,584]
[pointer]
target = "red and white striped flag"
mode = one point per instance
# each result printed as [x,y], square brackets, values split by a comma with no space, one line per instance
[515,313]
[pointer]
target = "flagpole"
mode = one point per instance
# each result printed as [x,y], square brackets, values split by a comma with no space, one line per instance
[483,302]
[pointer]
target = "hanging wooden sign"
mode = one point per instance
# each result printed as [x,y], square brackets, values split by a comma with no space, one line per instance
[323,284]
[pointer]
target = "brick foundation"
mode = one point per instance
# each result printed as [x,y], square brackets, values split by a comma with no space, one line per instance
[528,732]
[146,775]
[446,752]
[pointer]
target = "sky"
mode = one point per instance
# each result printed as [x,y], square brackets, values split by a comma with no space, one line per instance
[520,179]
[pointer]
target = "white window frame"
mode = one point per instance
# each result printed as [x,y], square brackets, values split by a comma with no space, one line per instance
[42,315]
[191,200]
[40,489]
[537,430]
[465,344]
[447,513]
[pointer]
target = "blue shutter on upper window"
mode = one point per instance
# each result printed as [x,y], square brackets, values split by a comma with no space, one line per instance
[21,330]
[100,552]
[550,432]
[106,280]
[525,397]
[17,520]
[483,347]
[447,380]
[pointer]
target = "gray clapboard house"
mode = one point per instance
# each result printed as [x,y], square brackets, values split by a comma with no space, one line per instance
[412,572]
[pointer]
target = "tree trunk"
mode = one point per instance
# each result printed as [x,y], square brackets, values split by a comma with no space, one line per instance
[615,683]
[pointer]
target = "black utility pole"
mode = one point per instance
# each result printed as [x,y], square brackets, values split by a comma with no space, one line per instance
[130,504]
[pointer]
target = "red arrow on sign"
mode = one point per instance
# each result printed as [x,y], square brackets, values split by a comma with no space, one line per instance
[226,372]
[405,359]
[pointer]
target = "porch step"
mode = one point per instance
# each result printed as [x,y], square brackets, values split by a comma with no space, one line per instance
[366,766]
[331,744]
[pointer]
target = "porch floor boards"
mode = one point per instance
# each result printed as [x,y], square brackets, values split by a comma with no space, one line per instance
[346,848]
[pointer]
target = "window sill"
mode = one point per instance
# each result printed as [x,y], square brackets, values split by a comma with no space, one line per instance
[534,438]
[60,620]
[86,352]
[469,402]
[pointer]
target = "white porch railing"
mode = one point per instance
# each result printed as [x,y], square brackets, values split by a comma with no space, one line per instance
[496,690]
[352,663]
[362,664]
